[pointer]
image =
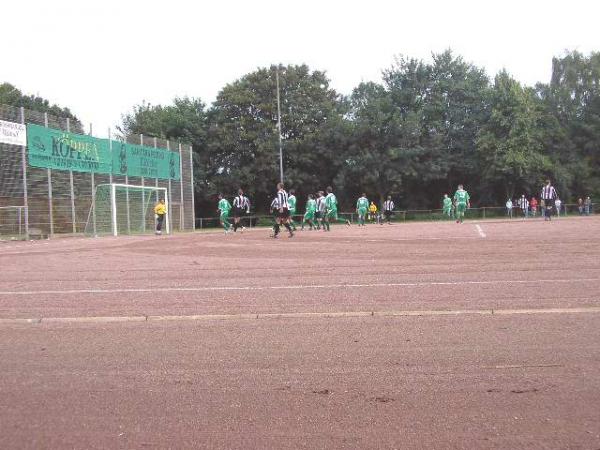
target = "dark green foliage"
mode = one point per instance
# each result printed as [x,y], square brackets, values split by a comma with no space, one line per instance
[10,95]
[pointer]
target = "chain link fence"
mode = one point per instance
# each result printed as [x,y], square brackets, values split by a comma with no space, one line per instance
[46,202]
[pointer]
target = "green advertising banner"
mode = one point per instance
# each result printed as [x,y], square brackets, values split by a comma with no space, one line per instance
[139,161]
[55,149]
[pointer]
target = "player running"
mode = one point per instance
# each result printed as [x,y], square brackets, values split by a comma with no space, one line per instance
[331,210]
[388,210]
[447,206]
[241,206]
[462,202]
[292,203]
[283,217]
[362,205]
[223,208]
[321,209]
[309,214]
[274,209]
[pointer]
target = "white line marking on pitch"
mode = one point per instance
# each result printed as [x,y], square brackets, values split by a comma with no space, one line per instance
[291,287]
[480,231]
[418,239]
[296,315]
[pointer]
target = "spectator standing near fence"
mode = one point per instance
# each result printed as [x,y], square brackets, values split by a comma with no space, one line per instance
[548,195]
[587,205]
[557,205]
[388,210]
[509,208]
[580,206]
[524,205]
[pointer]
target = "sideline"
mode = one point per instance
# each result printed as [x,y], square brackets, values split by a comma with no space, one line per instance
[290,287]
[298,315]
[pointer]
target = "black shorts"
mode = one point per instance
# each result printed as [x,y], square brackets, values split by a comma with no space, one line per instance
[238,212]
[317,215]
[387,214]
[549,204]
[283,213]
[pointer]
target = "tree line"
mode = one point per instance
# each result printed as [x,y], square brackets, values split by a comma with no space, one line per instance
[426,127]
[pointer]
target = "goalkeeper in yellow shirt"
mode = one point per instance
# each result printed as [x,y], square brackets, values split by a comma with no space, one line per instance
[161,211]
[373,212]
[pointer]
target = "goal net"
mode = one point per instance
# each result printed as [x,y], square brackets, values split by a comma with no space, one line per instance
[125,209]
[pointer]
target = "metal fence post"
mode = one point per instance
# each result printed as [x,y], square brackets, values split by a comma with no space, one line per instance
[93,196]
[72,186]
[169,208]
[49,175]
[143,195]
[156,179]
[110,150]
[192,183]
[181,206]
[24,167]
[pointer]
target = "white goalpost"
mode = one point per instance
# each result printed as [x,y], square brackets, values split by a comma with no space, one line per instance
[125,209]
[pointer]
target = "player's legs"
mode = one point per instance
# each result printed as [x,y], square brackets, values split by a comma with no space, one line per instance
[291,219]
[460,212]
[159,223]
[224,219]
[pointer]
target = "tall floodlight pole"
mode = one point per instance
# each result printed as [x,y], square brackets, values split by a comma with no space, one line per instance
[279,128]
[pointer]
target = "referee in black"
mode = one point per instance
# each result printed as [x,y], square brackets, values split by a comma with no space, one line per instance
[283,218]
[241,206]
[548,195]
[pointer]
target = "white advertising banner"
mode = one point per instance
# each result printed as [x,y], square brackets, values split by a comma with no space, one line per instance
[13,133]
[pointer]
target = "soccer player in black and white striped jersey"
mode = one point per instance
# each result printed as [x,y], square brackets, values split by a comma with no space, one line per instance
[241,206]
[548,195]
[283,217]
[388,210]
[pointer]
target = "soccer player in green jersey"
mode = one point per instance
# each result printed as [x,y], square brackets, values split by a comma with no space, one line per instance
[362,205]
[292,207]
[309,214]
[462,202]
[224,207]
[447,206]
[331,210]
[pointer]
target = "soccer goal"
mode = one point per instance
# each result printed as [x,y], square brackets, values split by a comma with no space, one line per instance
[125,209]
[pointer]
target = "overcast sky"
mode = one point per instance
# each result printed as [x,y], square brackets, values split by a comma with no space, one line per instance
[102,57]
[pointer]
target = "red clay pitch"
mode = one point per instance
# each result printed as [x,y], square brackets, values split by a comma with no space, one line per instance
[215,376]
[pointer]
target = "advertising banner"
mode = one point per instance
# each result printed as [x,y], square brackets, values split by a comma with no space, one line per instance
[140,161]
[13,133]
[55,149]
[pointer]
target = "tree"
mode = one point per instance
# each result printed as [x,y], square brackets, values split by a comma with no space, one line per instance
[571,109]
[385,149]
[243,135]
[510,144]
[10,95]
